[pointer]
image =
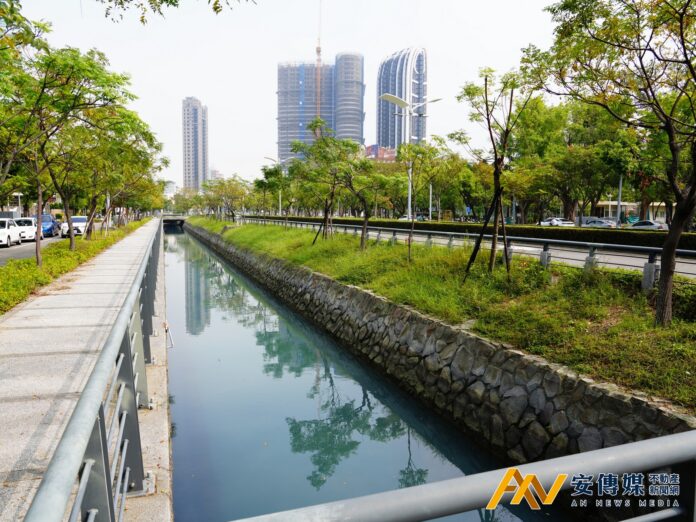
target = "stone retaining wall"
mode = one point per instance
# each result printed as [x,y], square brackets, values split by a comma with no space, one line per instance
[521,404]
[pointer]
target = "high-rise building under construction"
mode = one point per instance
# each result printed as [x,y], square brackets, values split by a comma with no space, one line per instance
[338,100]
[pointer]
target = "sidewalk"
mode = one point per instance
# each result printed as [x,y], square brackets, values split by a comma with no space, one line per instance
[48,346]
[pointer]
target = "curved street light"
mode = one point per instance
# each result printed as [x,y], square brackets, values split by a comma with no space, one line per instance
[408,113]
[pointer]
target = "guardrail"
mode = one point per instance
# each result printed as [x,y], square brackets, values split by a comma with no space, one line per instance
[98,460]
[449,497]
[649,255]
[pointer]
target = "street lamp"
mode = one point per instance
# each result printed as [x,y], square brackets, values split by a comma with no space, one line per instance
[19,202]
[409,109]
[280,187]
[618,206]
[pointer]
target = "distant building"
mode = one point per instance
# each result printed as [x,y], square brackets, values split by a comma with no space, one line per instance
[380,153]
[403,74]
[341,101]
[169,189]
[194,117]
[216,174]
[349,96]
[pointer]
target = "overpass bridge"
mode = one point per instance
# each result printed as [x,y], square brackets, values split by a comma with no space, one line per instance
[174,219]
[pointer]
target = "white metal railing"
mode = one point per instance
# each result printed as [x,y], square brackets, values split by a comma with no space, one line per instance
[100,449]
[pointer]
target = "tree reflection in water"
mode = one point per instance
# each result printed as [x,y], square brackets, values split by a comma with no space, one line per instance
[341,423]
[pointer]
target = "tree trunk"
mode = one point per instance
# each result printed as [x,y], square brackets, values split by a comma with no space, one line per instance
[644,206]
[39,224]
[522,206]
[682,216]
[91,213]
[497,212]
[669,210]
[363,233]
[494,238]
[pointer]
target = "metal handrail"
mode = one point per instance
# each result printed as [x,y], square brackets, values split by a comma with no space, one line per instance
[449,497]
[52,498]
[519,239]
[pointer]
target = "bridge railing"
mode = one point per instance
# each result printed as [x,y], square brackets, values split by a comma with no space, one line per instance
[98,460]
[649,256]
[459,495]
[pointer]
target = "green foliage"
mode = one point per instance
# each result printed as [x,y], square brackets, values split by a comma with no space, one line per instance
[598,323]
[116,8]
[21,277]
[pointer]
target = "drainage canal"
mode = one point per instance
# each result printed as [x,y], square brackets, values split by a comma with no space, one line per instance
[269,414]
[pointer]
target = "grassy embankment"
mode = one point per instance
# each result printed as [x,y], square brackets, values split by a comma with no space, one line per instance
[20,277]
[597,323]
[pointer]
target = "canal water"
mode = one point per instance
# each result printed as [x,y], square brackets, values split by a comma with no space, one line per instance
[269,414]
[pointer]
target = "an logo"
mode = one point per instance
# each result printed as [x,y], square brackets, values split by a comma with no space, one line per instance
[526,487]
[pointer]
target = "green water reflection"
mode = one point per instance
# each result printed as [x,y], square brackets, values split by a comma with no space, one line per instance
[270,414]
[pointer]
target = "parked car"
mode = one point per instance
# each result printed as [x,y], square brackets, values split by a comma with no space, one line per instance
[599,223]
[27,228]
[648,224]
[49,226]
[79,225]
[557,222]
[9,233]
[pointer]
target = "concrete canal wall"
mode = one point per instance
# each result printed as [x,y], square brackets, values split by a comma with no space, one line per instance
[521,404]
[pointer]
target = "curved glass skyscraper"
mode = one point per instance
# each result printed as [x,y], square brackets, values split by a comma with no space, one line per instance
[403,74]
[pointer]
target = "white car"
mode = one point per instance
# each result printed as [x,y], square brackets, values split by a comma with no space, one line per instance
[599,223]
[27,228]
[79,225]
[648,225]
[557,222]
[9,232]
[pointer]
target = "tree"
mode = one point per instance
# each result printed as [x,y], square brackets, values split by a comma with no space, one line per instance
[74,88]
[318,166]
[226,194]
[497,105]
[357,177]
[116,8]
[637,60]
[420,159]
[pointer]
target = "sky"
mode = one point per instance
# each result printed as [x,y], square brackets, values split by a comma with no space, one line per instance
[229,60]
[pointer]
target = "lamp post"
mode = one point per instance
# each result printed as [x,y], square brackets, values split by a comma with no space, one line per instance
[408,109]
[19,202]
[618,206]
[280,188]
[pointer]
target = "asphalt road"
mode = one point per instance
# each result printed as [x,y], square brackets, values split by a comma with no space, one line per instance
[26,249]
[571,256]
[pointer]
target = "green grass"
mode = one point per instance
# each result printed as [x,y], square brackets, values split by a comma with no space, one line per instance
[19,278]
[597,323]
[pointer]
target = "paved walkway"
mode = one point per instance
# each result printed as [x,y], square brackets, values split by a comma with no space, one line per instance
[48,346]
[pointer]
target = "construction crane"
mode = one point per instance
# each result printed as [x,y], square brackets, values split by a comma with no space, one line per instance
[318,66]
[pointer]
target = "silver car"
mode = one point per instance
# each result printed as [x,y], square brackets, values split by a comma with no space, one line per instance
[557,222]
[649,224]
[599,223]
[79,224]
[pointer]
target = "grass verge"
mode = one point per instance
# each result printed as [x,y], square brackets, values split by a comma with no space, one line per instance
[597,323]
[21,277]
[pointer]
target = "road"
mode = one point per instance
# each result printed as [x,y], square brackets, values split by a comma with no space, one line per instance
[26,249]
[569,255]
